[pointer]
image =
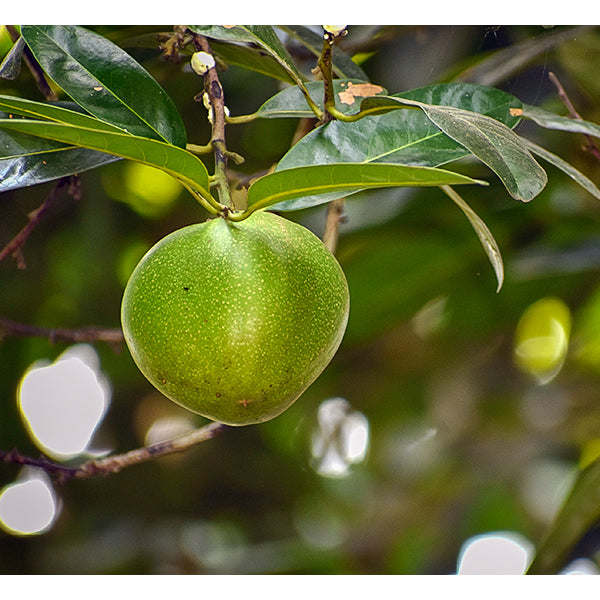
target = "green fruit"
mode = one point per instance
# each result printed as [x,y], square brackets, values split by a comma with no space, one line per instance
[234,320]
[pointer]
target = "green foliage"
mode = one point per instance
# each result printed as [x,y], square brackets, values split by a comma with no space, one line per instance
[429,346]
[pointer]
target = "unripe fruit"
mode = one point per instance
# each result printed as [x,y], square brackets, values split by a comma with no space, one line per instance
[234,320]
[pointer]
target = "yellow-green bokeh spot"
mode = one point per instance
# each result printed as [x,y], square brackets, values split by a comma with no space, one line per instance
[542,338]
[587,332]
[150,192]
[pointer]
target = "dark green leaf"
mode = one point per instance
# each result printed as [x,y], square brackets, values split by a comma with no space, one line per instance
[343,66]
[291,102]
[250,58]
[179,163]
[262,35]
[26,160]
[402,136]
[281,189]
[106,81]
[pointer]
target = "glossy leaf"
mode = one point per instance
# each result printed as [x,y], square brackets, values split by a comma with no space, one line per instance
[106,81]
[262,35]
[179,163]
[343,66]
[253,59]
[291,102]
[52,112]
[281,189]
[483,233]
[401,136]
[489,140]
[566,167]
[26,160]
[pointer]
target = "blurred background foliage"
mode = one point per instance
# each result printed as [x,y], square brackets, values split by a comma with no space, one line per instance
[462,411]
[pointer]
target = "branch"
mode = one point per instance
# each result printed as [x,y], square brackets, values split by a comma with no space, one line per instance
[562,94]
[9,328]
[214,97]
[118,462]
[15,245]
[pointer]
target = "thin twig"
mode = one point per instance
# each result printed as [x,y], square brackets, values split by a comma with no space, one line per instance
[15,245]
[9,328]
[118,462]
[590,146]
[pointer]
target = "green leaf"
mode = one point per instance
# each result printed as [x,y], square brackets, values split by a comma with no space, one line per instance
[403,136]
[567,168]
[52,112]
[179,163]
[26,160]
[483,233]
[253,59]
[301,187]
[494,144]
[292,103]
[263,36]
[106,81]
[549,120]
[579,512]
[343,66]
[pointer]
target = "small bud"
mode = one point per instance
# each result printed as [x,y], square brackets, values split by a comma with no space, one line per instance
[202,62]
[335,30]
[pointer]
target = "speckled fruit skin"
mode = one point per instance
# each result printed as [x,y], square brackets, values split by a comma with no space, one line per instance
[234,321]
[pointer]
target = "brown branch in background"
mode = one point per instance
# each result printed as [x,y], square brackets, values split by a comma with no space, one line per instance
[335,216]
[15,246]
[82,335]
[590,146]
[118,462]
[33,66]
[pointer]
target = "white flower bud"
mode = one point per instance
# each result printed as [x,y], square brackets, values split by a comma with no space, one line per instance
[202,62]
[335,30]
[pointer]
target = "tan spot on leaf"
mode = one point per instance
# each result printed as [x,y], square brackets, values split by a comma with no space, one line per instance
[359,90]
[516,112]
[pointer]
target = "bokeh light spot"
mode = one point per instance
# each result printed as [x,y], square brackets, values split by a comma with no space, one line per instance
[497,553]
[340,439]
[542,338]
[62,403]
[28,506]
